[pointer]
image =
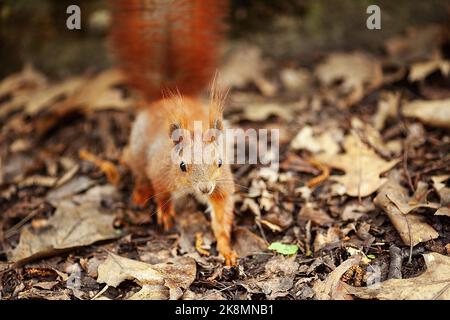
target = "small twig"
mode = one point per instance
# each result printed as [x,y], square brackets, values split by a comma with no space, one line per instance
[18,225]
[320,178]
[404,144]
[405,167]
[308,238]
[411,246]
[100,292]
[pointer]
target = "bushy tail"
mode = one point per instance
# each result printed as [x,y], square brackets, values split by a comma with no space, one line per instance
[168,44]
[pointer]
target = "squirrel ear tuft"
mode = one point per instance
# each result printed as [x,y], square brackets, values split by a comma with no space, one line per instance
[217,124]
[175,133]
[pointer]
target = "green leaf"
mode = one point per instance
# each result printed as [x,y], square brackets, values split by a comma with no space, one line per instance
[371,256]
[286,249]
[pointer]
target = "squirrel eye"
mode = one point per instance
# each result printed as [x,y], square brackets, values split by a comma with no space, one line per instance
[219,163]
[183,166]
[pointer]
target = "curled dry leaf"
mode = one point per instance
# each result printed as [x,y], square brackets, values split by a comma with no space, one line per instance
[69,189]
[387,108]
[246,66]
[358,72]
[71,226]
[322,240]
[318,216]
[159,281]
[393,199]
[99,93]
[444,194]
[96,93]
[277,279]
[421,70]
[296,80]
[322,143]
[261,112]
[107,167]
[247,243]
[332,288]
[372,137]
[42,294]
[362,167]
[433,284]
[435,113]
[19,87]
[416,44]
[356,209]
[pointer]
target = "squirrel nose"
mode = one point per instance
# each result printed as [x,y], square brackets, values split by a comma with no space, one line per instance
[205,187]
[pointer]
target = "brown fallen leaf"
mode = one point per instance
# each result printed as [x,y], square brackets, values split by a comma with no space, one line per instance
[96,195]
[372,137]
[190,222]
[318,216]
[359,73]
[36,293]
[212,294]
[420,70]
[46,285]
[262,111]
[100,93]
[443,211]
[435,112]
[244,66]
[247,243]
[322,240]
[415,45]
[46,99]
[71,226]
[277,279]
[159,281]
[69,189]
[393,199]
[107,167]
[296,80]
[362,167]
[441,188]
[332,288]
[433,284]
[324,142]
[355,209]
[20,87]
[386,108]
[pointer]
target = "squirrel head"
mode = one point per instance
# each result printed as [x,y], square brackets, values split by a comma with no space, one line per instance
[198,139]
[198,143]
[198,156]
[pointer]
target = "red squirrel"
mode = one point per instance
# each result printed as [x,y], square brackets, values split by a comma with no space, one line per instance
[172,46]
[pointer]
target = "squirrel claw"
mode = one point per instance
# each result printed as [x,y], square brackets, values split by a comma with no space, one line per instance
[231,259]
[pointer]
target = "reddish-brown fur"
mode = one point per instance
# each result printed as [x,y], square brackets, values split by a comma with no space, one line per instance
[157,176]
[171,46]
[168,44]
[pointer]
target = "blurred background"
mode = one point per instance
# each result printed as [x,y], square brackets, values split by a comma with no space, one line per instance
[35,31]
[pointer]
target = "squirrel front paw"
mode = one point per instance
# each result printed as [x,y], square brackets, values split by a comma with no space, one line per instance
[230,258]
